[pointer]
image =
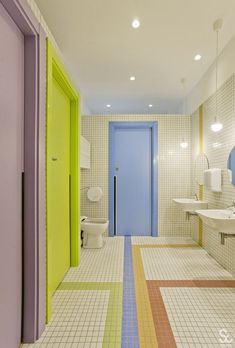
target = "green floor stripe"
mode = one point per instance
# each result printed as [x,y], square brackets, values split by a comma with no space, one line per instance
[113,324]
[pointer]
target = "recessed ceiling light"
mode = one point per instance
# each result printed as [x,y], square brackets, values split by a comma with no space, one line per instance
[108,106]
[150,105]
[132,78]
[135,23]
[197,57]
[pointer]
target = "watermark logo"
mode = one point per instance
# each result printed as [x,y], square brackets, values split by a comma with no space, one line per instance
[225,337]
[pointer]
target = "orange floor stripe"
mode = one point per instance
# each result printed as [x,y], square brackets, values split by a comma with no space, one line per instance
[197,283]
[165,336]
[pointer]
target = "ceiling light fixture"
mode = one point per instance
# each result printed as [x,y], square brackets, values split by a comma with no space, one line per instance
[132,78]
[184,144]
[150,105]
[108,106]
[135,23]
[197,57]
[217,126]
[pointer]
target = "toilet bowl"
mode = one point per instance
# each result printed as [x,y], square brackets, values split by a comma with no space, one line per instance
[93,231]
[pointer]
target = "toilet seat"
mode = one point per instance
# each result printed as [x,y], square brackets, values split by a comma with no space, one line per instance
[94,221]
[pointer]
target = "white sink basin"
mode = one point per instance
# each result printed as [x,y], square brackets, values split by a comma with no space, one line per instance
[221,220]
[190,205]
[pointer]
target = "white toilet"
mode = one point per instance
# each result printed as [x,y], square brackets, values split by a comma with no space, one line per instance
[93,232]
[93,228]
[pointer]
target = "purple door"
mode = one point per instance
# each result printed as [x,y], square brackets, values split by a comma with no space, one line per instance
[11,164]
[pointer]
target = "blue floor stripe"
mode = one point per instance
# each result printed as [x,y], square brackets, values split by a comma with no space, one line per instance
[130,337]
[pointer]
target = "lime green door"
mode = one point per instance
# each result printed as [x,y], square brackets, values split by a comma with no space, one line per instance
[58,187]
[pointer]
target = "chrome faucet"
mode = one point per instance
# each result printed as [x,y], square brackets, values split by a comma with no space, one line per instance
[196,197]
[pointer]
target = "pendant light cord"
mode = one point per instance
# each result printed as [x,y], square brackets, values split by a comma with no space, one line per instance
[216,74]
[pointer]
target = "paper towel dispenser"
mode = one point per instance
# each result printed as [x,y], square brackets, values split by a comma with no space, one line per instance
[212,179]
[85,151]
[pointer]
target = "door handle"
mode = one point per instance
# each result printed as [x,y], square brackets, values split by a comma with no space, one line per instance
[54,159]
[115,204]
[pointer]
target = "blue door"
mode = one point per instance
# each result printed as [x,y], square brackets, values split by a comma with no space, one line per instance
[133,193]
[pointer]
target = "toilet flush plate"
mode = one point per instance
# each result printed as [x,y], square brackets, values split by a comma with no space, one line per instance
[94,194]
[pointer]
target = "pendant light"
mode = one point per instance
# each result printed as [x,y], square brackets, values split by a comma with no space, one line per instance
[217,125]
[184,143]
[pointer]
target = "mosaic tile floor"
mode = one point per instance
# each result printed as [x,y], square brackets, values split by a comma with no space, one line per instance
[100,265]
[143,292]
[181,263]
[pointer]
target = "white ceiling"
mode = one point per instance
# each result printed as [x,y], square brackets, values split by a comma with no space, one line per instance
[103,50]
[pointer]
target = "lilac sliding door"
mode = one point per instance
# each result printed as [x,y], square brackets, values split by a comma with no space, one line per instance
[11,164]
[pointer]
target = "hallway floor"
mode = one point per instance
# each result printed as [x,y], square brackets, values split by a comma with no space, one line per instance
[143,292]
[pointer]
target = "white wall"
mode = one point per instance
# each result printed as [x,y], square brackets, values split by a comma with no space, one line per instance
[217,147]
[206,86]
[174,167]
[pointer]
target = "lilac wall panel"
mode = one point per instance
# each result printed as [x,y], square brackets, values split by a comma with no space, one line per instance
[12,163]
[41,186]
[34,167]
[30,191]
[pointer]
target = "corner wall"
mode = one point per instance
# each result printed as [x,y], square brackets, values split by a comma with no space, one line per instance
[174,167]
[36,11]
[217,147]
[206,86]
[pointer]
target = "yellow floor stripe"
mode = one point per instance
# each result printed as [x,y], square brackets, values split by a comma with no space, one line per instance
[201,146]
[146,246]
[147,335]
[200,225]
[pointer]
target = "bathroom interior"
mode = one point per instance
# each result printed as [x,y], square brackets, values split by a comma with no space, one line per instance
[134,244]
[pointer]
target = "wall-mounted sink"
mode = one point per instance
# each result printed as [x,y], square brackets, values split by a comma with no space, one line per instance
[221,220]
[190,205]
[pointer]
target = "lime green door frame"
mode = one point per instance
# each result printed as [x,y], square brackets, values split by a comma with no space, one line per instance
[55,70]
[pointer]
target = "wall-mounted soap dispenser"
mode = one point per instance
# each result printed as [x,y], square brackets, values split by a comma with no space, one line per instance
[212,180]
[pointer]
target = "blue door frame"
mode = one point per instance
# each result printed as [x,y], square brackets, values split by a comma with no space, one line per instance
[153,126]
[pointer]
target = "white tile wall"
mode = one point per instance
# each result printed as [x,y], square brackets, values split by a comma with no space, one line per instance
[195,150]
[174,167]
[174,163]
[217,147]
